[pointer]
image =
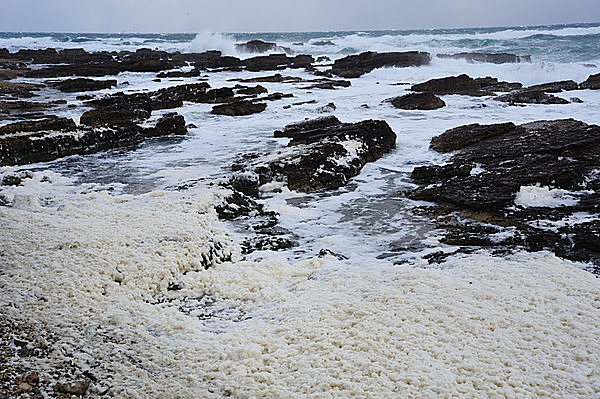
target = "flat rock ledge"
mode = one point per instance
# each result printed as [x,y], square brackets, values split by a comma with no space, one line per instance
[418,101]
[52,138]
[323,153]
[354,66]
[534,186]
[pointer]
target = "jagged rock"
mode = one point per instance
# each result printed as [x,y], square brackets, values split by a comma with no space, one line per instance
[530,97]
[493,58]
[494,162]
[113,117]
[489,84]
[23,90]
[323,58]
[277,78]
[327,84]
[82,84]
[239,108]
[23,109]
[55,139]
[421,101]
[258,46]
[48,124]
[462,84]
[354,66]
[592,82]
[74,387]
[250,91]
[322,154]
[554,87]
[170,123]
[277,61]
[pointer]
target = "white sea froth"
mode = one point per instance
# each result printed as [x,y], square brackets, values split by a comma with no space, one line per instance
[481,326]
[534,196]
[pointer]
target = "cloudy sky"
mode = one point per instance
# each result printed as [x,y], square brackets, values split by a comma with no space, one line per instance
[285,15]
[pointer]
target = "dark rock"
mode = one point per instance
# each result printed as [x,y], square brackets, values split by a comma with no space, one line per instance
[43,125]
[592,82]
[462,84]
[421,101]
[45,144]
[327,84]
[250,91]
[113,117]
[530,97]
[493,58]
[171,123]
[258,46]
[322,154]
[576,100]
[463,136]
[492,84]
[554,87]
[23,90]
[23,109]
[277,61]
[354,66]
[562,154]
[82,84]
[239,108]
[277,78]
[323,58]
[323,43]
[180,74]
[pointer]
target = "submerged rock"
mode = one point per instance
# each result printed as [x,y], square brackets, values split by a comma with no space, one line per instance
[258,46]
[462,84]
[519,177]
[530,97]
[420,101]
[354,66]
[493,58]
[322,154]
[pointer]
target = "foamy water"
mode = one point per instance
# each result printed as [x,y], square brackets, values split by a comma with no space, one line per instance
[92,243]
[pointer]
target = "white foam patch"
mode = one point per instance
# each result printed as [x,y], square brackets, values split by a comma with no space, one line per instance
[535,196]
[479,326]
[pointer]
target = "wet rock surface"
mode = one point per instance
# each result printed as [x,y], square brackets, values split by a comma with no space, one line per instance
[82,84]
[27,142]
[420,101]
[592,82]
[493,58]
[496,166]
[493,84]
[258,46]
[322,154]
[555,87]
[462,84]
[354,66]
[239,108]
[530,97]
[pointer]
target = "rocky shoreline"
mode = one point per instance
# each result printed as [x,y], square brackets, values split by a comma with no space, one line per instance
[506,186]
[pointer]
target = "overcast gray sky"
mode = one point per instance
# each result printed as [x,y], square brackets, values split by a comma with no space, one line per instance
[284,15]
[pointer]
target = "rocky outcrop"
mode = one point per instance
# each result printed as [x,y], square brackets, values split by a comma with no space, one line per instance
[420,101]
[493,58]
[28,142]
[462,84]
[323,43]
[274,62]
[322,154]
[555,87]
[496,166]
[592,82]
[82,84]
[490,84]
[354,66]
[19,90]
[239,108]
[530,97]
[258,46]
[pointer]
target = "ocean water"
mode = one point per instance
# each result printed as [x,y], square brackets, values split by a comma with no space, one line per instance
[100,237]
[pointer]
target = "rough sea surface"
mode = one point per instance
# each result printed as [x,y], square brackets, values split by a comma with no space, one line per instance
[91,244]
